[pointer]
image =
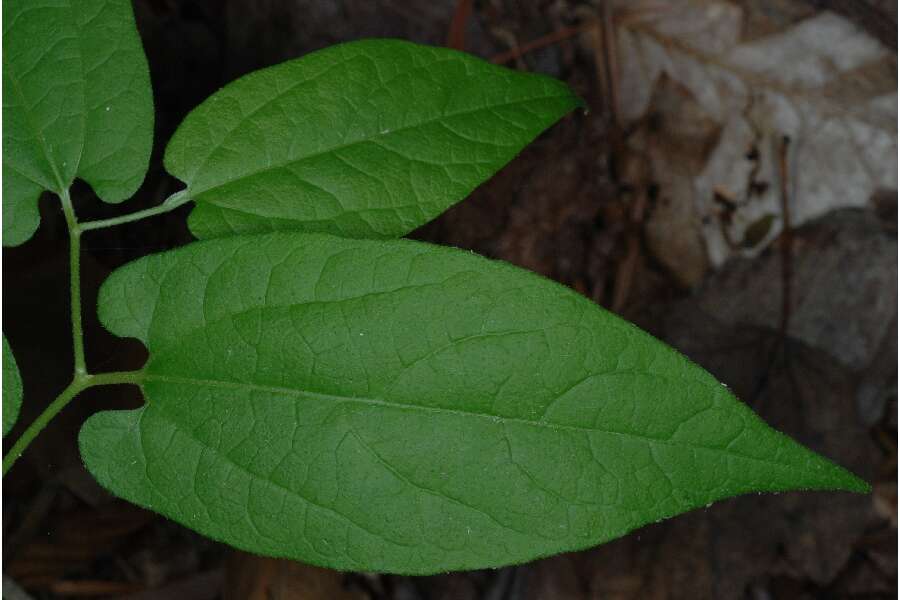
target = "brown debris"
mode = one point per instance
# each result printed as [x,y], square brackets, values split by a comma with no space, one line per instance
[250,577]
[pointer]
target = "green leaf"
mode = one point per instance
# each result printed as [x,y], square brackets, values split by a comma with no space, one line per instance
[396,406]
[12,388]
[76,103]
[367,139]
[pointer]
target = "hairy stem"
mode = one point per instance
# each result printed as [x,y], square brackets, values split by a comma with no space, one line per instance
[171,203]
[75,283]
[81,379]
[40,422]
[78,385]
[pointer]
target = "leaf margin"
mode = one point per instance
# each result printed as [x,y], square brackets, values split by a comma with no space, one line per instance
[842,478]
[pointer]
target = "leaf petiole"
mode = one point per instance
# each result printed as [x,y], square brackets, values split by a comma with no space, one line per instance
[171,203]
[81,379]
[78,385]
[74,282]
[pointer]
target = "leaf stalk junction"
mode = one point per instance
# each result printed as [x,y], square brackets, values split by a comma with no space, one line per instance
[81,378]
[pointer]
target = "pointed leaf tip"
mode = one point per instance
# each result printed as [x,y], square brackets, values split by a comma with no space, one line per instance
[399,407]
[368,139]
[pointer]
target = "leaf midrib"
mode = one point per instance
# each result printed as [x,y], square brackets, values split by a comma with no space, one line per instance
[367,139]
[35,134]
[217,383]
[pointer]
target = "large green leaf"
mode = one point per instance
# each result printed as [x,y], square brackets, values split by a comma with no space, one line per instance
[76,103]
[12,388]
[396,406]
[367,139]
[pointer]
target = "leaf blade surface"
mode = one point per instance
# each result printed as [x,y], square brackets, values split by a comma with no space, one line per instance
[12,388]
[395,406]
[366,139]
[76,103]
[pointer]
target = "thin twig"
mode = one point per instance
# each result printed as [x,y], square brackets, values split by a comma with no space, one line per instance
[541,42]
[609,59]
[787,237]
[603,35]
[456,36]
[780,344]
[628,266]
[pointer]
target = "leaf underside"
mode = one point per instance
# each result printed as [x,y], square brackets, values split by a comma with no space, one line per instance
[399,407]
[76,103]
[366,139]
[12,388]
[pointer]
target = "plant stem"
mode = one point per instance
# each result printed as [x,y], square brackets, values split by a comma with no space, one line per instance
[115,378]
[81,379]
[171,203]
[40,422]
[78,385]
[75,283]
